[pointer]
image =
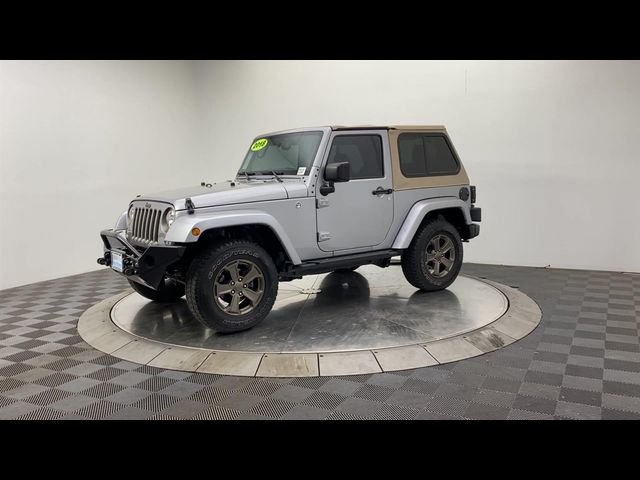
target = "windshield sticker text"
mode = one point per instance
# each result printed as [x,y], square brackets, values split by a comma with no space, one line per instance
[259,144]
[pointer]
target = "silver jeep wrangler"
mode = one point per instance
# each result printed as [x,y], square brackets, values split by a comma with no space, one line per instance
[305,201]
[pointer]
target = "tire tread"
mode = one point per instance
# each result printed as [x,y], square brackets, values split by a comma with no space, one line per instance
[203,261]
[411,259]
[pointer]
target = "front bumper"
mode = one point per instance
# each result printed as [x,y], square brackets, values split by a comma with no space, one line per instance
[147,267]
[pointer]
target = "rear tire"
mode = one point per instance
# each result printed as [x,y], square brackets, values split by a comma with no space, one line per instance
[232,286]
[434,258]
[168,291]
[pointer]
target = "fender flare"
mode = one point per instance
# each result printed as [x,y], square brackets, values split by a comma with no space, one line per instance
[123,221]
[180,231]
[419,211]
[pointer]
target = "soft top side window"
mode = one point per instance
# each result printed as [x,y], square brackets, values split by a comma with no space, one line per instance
[426,154]
[363,152]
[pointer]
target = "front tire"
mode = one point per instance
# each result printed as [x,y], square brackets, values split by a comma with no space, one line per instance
[434,258]
[232,286]
[168,291]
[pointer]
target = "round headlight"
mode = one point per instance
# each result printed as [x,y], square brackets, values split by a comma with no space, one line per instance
[131,213]
[169,217]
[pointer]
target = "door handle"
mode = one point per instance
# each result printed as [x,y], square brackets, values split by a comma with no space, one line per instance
[382,191]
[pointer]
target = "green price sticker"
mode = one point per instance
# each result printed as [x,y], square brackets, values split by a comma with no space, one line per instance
[259,144]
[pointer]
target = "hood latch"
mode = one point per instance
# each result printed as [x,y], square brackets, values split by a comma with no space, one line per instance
[190,206]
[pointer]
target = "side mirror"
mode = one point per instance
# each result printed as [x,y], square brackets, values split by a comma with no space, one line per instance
[337,172]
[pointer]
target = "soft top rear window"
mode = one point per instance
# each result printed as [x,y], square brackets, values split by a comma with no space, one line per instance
[426,154]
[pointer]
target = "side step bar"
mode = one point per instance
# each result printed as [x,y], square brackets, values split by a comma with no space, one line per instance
[311,267]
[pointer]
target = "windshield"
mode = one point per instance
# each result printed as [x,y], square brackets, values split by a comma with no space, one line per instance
[285,154]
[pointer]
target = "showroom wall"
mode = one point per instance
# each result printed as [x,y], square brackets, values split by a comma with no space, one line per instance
[77,141]
[553,146]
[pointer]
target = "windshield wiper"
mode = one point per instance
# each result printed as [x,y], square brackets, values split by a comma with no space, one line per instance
[275,175]
[246,174]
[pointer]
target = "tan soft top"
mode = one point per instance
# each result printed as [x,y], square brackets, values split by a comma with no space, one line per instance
[400,181]
[430,128]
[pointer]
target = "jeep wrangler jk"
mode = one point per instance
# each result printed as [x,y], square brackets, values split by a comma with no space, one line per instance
[305,201]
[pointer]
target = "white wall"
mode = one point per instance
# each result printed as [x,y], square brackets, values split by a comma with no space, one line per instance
[78,140]
[553,146]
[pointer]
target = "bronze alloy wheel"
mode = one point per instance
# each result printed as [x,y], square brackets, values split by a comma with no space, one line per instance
[434,257]
[239,287]
[231,286]
[440,256]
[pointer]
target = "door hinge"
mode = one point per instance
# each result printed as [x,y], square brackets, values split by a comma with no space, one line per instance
[324,236]
[322,202]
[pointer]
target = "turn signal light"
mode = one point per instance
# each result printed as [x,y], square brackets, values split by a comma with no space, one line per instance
[195,231]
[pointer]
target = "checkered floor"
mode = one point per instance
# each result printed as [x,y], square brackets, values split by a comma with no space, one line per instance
[582,362]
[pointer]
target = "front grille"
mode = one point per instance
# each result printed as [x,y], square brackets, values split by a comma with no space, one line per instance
[145,224]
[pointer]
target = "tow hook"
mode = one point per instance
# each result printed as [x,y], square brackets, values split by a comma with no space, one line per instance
[106,260]
[130,267]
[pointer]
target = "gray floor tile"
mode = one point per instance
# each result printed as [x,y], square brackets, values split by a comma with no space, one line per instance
[577,411]
[291,393]
[584,397]
[620,402]
[73,403]
[340,386]
[129,379]
[582,362]
[128,396]
[16,409]
[535,404]
[414,400]
[79,384]
[185,409]
[130,413]
[480,411]
[306,412]
[358,406]
[240,401]
[182,389]
[582,383]
[24,391]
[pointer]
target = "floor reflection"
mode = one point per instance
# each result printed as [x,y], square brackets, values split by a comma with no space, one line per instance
[370,308]
[343,288]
